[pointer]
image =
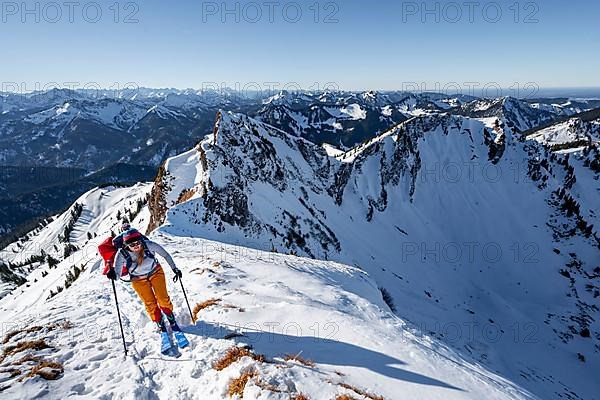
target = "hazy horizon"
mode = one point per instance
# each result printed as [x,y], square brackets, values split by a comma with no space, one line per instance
[252,90]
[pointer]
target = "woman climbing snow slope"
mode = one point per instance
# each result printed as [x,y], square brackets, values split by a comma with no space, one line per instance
[136,255]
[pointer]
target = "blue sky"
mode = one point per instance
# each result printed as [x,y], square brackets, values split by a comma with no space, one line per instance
[349,44]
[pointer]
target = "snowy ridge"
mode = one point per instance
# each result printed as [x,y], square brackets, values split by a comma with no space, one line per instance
[517,115]
[318,311]
[345,119]
[391,211]
[98,217]
[573,131]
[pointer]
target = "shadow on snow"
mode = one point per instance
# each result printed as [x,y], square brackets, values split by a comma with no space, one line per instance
[319,350]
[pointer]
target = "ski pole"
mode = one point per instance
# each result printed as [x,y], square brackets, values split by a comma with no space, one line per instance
[119,314]
[186,301]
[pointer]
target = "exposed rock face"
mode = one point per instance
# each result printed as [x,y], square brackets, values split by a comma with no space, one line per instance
[157,202]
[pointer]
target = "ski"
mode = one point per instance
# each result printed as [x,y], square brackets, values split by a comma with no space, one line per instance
[165,343]
[182,341]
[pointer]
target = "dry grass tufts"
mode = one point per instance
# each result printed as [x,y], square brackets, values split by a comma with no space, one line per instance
[24,345]
[12,371]
[361,392]
[298,359]
[201,306]
[237,386]
[233,355]
[66,324]
[185,195]
[203,270]
[344,397]
[48,370]
[11,334]
[28,358]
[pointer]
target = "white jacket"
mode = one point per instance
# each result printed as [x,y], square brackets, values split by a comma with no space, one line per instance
[148,264]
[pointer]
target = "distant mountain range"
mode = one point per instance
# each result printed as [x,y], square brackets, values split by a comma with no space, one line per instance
[84,131]
[91,130]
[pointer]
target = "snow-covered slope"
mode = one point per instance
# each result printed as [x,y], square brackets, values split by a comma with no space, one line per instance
[113,113]
[434,210]
[564,106]
[46,251]
[574,133]
[338,118]
[330,317]
[517,114]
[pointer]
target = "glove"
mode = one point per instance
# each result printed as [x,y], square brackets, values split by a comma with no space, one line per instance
[111,274]
[177,273]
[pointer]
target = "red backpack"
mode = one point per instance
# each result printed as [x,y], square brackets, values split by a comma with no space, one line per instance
[111,246]
[107,252]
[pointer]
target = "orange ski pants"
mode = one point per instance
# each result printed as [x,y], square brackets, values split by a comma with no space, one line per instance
[153,292]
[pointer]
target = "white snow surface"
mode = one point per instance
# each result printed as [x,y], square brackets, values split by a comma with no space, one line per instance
[331,150]
[569,131]
[352,112]
[323,311]
[115,114]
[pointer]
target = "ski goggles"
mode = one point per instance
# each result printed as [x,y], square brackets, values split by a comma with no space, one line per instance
[134,244]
